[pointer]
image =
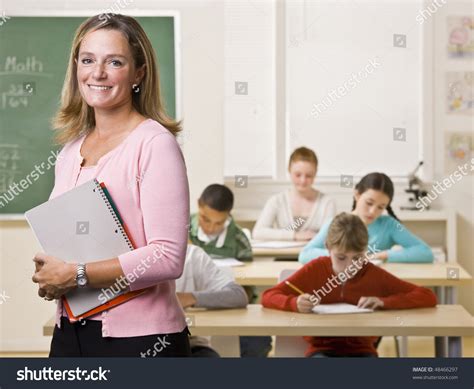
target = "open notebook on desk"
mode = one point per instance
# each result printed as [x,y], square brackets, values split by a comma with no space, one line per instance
[331,309]
[82,225]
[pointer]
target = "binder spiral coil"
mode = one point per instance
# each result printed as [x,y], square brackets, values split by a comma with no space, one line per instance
[114,214]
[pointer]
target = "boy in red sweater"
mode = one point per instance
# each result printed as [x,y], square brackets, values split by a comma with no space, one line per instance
[346,276]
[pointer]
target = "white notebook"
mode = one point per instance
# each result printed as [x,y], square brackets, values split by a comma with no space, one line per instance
[81,225]
[330,309]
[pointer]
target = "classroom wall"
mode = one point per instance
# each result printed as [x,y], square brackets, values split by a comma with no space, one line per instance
[461,196]
[202,73]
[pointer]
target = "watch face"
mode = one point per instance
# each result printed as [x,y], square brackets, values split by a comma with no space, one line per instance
[81,281]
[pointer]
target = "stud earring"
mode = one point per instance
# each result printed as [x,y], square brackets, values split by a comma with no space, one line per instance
[135,88]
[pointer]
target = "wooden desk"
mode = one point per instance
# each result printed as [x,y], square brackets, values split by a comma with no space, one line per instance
[266,273]
[451,321]
[291,252]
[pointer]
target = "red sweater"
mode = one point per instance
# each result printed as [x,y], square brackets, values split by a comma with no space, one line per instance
[370,281]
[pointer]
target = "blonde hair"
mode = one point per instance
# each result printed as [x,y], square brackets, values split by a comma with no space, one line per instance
[75,116]
[348,233]
[303,154]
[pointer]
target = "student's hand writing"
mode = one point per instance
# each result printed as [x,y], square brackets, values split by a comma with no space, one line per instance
[186,299]
[304,235]
[53,276]
[370,302]
[304,303]
[383,255]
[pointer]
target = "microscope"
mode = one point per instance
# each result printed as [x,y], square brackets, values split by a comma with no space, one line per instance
[415,188]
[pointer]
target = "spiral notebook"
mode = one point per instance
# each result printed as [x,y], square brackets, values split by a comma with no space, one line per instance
[83,225]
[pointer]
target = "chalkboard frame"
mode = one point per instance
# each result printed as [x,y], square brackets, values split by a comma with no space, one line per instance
[129,12]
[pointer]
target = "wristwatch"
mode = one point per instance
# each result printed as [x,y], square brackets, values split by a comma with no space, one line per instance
[81,276]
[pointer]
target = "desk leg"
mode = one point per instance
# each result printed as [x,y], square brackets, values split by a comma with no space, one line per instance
[440,346]
[450,295]
[445,346]
[402,346]
[454,347]
[440,294]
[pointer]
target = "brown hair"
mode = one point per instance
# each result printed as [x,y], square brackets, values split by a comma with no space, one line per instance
[347,232]
[75,116]
[303,154]
[380,182]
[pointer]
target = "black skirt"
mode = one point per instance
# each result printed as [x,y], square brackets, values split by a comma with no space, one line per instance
[84,339]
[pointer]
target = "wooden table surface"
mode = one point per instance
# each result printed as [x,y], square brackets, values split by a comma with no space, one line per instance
[444,320]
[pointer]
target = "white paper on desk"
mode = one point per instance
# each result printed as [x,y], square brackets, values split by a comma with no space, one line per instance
[228,262]
[276,244]
[331,309]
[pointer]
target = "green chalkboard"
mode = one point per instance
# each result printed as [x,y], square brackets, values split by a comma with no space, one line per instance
[33,60]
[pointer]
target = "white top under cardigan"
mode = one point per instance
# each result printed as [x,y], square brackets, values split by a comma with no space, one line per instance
[276,222]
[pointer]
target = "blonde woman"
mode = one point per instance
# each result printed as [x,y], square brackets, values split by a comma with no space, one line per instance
[298,213]
[113,128]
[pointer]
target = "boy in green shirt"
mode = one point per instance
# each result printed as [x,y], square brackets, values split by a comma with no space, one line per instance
[214,230]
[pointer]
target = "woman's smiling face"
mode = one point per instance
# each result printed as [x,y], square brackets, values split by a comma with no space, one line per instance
[106,69]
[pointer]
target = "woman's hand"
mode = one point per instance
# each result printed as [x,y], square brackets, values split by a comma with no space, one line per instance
[304,303]
[186,299]
[54,276]
[304,235]
[370,302]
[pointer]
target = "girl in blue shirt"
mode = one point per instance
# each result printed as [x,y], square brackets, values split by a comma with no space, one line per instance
[372,196]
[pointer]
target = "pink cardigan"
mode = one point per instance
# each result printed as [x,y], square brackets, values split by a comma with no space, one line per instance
[146,178]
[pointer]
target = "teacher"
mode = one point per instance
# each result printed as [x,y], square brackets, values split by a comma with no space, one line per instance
[114,128]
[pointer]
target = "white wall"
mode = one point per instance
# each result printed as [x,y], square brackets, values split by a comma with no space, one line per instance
[202,71]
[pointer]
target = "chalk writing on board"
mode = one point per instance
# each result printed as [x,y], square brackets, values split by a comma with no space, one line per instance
[9,169]
[15,97]
[29,65]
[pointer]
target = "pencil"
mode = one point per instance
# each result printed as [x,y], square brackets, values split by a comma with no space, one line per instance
[294,287]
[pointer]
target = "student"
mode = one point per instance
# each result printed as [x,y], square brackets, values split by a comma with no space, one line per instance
[204,284]
[298,213]
[214,230]
[345,276]
[373,195]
